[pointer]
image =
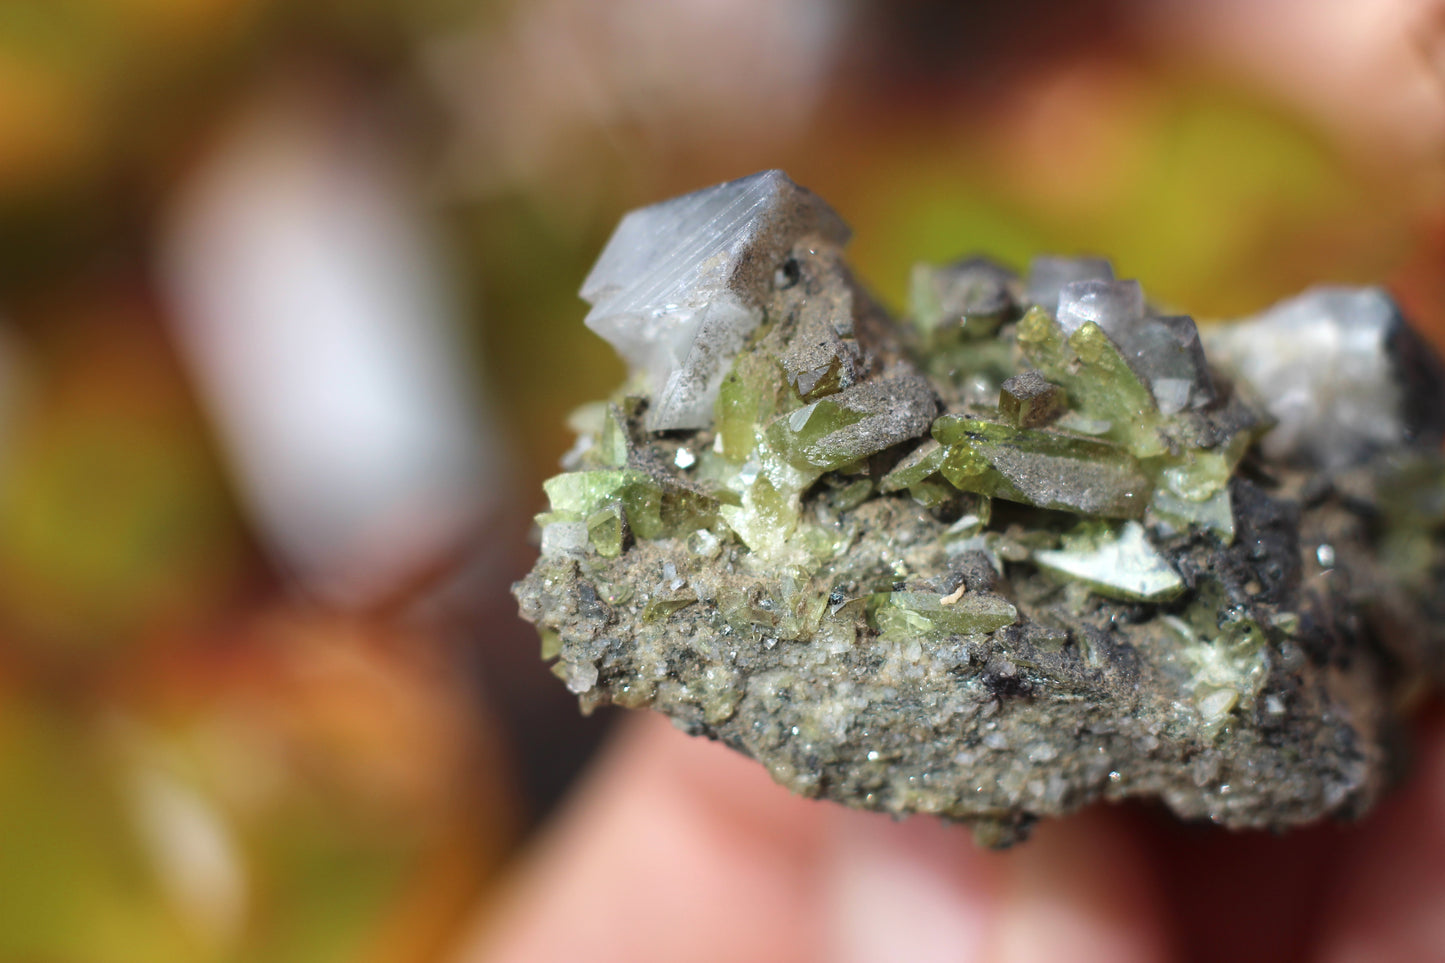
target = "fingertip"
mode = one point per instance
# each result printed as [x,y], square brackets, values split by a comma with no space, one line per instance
[672,848]
[1080,890]
[1392,885]
[736,792]
[914,890]
[675,848]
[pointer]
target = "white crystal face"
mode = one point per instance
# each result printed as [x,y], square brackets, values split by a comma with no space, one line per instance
[1124,565]
[679,285]
[1112,305]
[1321,364]
[1167,354]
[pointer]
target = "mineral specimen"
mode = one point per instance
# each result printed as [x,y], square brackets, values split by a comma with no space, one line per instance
[1024,551]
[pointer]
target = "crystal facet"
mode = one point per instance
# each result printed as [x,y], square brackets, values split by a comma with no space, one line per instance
[1029,400]
[681,284]
[1115,306]
[1165,352]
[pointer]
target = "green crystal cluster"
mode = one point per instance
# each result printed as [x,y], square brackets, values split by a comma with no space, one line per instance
[1014,554]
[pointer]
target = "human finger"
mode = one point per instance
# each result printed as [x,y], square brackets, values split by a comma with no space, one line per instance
[680,849]
[1390,902]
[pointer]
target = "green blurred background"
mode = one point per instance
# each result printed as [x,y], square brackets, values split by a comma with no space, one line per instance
[288,334]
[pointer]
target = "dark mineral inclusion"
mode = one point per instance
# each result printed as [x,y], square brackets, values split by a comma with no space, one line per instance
[1026,550]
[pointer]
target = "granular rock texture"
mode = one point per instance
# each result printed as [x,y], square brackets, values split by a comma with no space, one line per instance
[1027,549]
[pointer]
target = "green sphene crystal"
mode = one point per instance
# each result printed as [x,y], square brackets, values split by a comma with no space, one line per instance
[1025,550]
[651,507]
[1029,400]
[1042,468]
[939,616]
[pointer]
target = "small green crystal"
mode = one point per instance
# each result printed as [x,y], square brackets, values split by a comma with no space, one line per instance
[843,429]
[765,520]
[1029,400]
[604,529]
[662,606]
[808,437]
[920,472]
[751,393]
[653,509]
[1099,383]
[936,616]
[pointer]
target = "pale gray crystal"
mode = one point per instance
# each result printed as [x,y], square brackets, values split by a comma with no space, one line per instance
[1049,275]
[680,284]
[1322,364]
[1167,353]
[1114,306]
[564,538]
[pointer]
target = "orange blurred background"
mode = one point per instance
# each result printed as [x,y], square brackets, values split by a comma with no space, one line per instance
[289,332]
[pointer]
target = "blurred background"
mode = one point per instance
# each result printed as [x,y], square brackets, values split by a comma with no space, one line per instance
[289,332]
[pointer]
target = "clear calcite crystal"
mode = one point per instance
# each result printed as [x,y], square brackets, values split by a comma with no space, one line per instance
[1023,551]
[1167,353]
[681,284]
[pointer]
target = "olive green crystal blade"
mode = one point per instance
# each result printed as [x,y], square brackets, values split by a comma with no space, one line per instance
[1042,468]
[936,616]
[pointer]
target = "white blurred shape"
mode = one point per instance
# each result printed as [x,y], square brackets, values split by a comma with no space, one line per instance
[727,75]
[193,852]
[1372,69]
[308,298]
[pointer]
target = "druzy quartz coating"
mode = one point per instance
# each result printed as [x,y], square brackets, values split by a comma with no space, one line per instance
[1026,549]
